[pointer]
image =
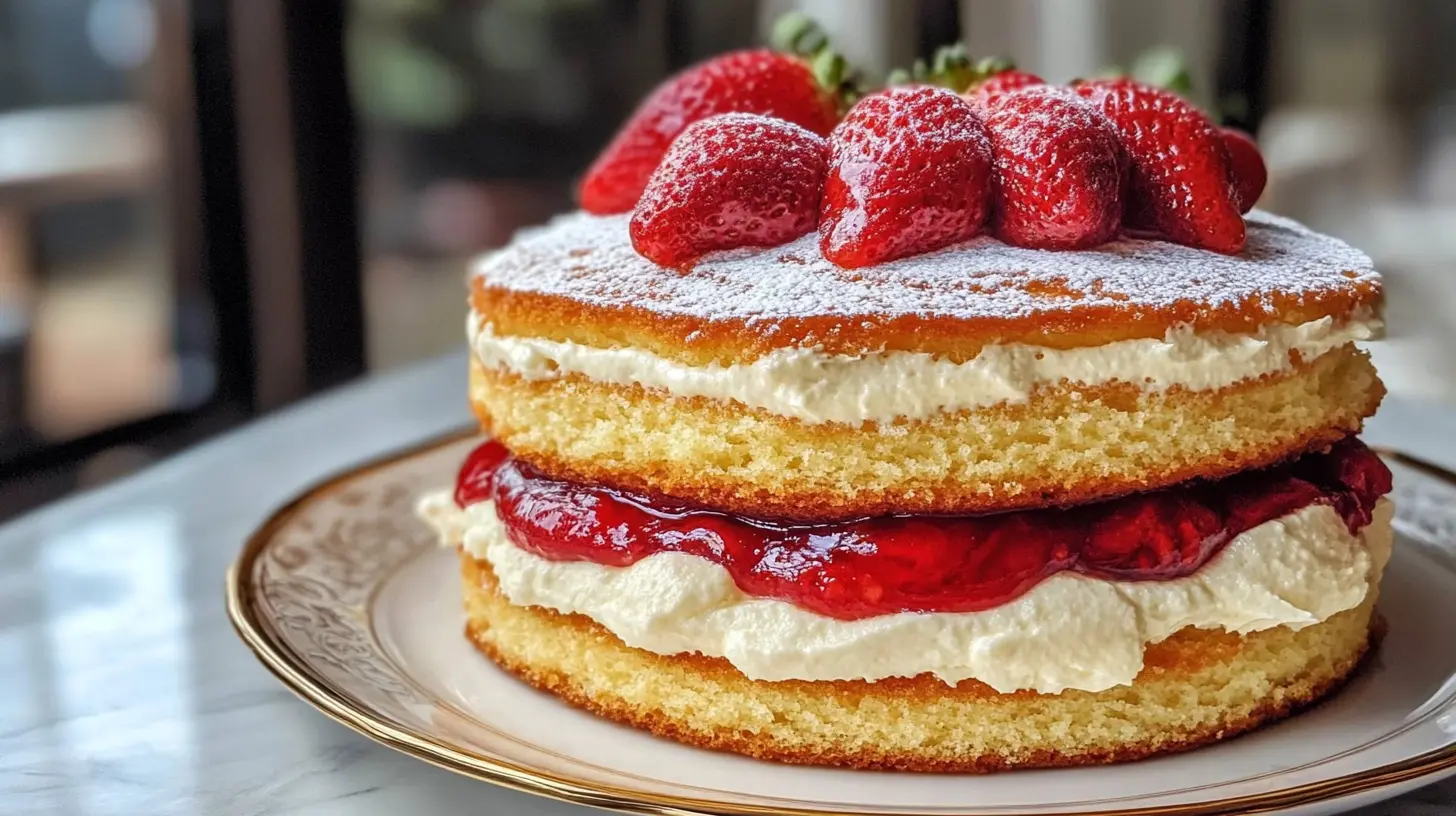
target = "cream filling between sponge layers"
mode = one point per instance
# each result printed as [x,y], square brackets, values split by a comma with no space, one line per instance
[811,386]
[1068,632]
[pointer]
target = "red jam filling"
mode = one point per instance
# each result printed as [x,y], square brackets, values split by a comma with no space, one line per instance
[874,566]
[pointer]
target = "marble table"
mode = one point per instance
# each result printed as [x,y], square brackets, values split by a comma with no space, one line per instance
[124,691]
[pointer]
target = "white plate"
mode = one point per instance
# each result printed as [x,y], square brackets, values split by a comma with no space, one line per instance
[345,597]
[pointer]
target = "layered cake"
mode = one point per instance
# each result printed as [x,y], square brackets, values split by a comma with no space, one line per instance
[963,431]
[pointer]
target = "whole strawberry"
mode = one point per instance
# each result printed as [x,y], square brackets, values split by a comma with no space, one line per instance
[732,180]
[764,82]
[1004,82]
[909,172]
[1058,169]
[1178,167]
[1247,165]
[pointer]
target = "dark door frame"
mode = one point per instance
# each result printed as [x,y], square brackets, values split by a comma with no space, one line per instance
[261,182]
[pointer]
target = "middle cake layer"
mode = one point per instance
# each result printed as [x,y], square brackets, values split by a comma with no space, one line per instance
[1066,443]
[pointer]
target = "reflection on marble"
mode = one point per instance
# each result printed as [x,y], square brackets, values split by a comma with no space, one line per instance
[122,687]
[124,691]
[120,570]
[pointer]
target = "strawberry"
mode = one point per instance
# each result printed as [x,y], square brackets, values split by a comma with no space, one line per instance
[1058,169]
[909,172]
[1178,167]
[764,82]
[732,180]
[1247,165]
[1155,533]
[1011,79]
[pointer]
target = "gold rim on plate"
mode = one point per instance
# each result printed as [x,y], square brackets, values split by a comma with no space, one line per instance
[286,665]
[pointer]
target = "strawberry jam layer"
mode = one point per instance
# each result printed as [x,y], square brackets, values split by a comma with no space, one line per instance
[875,566]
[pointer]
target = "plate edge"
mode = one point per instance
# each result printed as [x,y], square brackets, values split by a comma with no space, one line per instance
[299,679]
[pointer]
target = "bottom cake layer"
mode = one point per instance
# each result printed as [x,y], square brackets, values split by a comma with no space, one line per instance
[1198,686]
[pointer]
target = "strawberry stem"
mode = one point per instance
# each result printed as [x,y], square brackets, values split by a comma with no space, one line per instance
[950,67]
[988,67]
[829,68]
[797,33]
[1164,68]
[1167,68]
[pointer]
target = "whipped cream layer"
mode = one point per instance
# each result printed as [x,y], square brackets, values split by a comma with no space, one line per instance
[814,387]
[1069,632]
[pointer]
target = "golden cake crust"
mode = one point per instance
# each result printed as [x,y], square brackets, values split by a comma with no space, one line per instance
[1066,445]
[1197,687]
[579,279]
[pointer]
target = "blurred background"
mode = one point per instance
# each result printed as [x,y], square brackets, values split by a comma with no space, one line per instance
[212,208]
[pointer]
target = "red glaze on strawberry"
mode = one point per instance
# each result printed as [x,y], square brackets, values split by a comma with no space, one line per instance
[1178,168]
[909,172]
[732,180]
[764,82]
[1058,169]
[996,85]
[1247,166]
[866,567]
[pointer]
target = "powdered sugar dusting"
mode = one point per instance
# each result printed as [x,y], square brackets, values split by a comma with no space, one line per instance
[590,259]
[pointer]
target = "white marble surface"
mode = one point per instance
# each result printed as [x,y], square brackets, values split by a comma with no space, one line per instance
[124,691]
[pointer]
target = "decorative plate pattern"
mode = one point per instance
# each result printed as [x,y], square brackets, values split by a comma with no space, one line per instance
[344,595]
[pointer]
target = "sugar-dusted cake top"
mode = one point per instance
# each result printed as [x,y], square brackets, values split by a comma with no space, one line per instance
[580,278]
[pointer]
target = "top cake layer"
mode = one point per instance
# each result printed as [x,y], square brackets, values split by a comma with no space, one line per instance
[579,279]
